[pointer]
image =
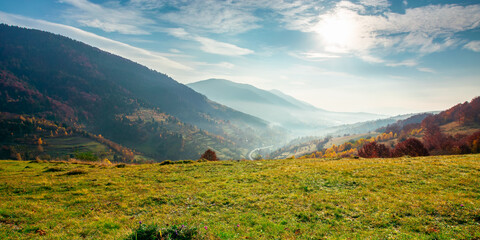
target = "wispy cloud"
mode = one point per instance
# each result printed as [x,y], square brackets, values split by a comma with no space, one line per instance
[113,18]
[314,56]
[375,3]
[425,29]
[221,48]
[473,45]
[212,16]
[147,4]
[405,63]
[362,28]
[150,59]
[209,45]
[222,65]
[427,70]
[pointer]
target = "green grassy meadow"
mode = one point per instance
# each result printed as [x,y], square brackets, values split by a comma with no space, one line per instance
[401,198]
[61,146]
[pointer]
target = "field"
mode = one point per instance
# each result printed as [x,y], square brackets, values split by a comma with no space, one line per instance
[61,146]
[400,198]
[340,140]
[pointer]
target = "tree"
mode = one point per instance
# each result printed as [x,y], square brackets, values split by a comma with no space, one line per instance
[411,147]
[210,155]
[374,150]
[433,138]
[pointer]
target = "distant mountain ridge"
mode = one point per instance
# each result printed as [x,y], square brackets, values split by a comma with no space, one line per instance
[54,77]
[298,103]
[275,106]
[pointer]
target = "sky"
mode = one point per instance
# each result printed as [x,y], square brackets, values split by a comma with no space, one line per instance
[378,56]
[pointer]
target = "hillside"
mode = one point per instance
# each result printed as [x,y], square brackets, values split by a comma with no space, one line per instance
[275,106]
[56,78]
[401,198]
[453,131]
[338,135]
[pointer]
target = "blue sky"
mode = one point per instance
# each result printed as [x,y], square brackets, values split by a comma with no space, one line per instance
[378,56]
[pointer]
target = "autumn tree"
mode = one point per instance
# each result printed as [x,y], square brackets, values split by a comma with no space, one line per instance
[433,137]
[210,155]
[410,147]
[374,150]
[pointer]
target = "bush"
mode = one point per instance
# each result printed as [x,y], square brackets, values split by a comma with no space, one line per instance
[210,155]
[181,232]
[185,161]
[153,232]
[374,150]
[411,147]
[53,169]
[166,162]
[76,172]
[145,232]
[121,165]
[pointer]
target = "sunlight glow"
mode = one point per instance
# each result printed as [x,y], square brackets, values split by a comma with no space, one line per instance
[338,31]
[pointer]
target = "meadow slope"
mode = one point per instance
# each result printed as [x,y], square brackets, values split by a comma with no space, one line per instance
[401,198]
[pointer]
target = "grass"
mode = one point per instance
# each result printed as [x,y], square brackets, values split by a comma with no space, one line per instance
[60,146]
[341,140]
[400,198]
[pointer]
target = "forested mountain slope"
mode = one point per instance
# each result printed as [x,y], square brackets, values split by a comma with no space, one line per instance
[56,78]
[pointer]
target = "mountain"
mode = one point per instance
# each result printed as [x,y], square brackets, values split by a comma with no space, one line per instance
[299,104]
[53,77]
[275,106]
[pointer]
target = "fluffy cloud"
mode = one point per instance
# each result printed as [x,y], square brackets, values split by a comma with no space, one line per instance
[367,29]
[347,28]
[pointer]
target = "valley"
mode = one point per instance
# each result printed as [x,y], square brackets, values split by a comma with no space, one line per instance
[226,120]
[96,146]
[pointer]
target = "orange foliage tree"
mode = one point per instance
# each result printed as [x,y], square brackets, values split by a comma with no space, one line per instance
[210,155]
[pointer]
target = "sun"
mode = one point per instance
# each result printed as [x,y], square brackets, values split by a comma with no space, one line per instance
[337,31]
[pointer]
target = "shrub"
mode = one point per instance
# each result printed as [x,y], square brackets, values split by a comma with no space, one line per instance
[180,232]
[53,169]
[37,161]
[374,150]
[210,155]
[166,162]
[411,147]
[185,161]
[76,172]
[121,165]
[153,232]
[145,232]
